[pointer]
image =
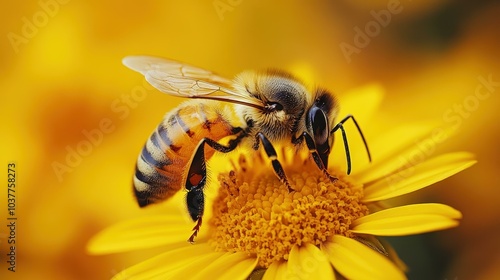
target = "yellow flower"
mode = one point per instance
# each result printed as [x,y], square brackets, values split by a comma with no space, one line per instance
[257,228]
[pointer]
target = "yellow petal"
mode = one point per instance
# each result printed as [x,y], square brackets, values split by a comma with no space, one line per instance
[418,177]
[308,262]
[272,271]
[141,233]
[282,271]
[356,261]
[166,263]
[387,149]
[293,260]
[187,269]
[240,270]
[229,266]
[408,219]
[317,263]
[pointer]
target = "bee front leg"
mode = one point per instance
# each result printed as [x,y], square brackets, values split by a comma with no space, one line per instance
[271,153]
[314,153]
[346,144]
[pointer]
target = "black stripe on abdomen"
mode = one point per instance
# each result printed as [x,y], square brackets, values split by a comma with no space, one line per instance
[151,160]
[150,184]
[149,187]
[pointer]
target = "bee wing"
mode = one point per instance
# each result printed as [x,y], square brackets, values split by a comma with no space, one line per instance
[145,64]
[184,80]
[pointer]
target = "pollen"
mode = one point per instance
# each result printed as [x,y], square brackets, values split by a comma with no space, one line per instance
[255,213]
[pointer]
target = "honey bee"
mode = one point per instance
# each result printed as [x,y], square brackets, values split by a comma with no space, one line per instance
[257,108]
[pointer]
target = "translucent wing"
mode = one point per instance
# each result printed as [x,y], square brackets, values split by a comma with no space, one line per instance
[145,64]
[180,79]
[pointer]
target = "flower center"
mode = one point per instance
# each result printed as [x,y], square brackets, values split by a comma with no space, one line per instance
[255,213]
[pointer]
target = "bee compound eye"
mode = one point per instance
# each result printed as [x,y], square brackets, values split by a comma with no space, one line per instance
[319,125]
[276,106]
[273,107]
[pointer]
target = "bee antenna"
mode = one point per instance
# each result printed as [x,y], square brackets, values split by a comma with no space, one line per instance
[346,144]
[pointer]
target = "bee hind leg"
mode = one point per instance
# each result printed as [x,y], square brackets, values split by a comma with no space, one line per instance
[196,179]
[196,203]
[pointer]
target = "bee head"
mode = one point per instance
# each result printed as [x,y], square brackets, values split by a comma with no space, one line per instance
[319,119]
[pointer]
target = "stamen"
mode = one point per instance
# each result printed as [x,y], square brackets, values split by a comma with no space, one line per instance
[255,213]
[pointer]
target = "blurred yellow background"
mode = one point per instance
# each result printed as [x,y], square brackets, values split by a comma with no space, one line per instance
[74,118]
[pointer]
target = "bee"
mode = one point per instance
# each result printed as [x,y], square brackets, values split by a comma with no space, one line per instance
[256,109]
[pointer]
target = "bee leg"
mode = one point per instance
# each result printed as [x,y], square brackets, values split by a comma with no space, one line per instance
[346,144]
[314,153]
[195,183]
[197,176]
[271,153]
[196,203]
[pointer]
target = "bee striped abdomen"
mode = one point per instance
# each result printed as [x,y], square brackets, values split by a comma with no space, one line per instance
[161,165]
